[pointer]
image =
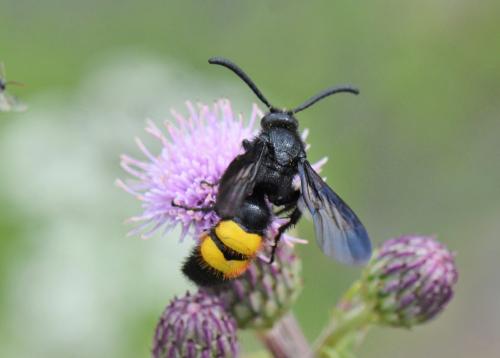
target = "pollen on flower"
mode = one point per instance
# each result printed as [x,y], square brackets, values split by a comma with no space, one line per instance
[195,151]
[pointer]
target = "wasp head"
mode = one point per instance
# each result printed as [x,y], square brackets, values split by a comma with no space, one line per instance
[279,119]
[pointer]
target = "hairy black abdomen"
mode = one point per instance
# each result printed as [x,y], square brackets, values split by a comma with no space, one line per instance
[197,271]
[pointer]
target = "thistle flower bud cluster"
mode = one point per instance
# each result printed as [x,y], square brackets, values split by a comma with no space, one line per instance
[409,280]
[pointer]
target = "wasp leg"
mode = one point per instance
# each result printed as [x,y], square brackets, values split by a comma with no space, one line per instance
[285,209]
[205,209]
[207,183]
[246,144]
[289,203]
[294,218]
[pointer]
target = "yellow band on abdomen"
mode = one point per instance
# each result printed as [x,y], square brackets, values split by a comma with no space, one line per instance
[233,236]
[214,258]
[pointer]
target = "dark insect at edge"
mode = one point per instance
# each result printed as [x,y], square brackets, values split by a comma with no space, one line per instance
[7,101]
[267,168]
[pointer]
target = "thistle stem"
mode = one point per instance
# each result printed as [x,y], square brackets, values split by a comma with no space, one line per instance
[285,339]
[349,318]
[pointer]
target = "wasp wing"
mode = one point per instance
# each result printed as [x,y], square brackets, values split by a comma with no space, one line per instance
[339,232]
[10,103]
[238,181]
[4,103]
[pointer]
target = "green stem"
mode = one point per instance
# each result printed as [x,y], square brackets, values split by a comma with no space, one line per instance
[350,317]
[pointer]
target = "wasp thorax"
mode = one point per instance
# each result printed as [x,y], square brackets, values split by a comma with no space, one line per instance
[254,214]
[279,119]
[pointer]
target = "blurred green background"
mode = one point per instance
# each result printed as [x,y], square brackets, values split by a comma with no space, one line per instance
[417,152]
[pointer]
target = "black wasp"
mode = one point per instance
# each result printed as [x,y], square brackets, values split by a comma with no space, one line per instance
[267,168]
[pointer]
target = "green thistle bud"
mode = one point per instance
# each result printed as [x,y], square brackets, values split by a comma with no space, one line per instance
[409,280]
[265,291]
[195,326]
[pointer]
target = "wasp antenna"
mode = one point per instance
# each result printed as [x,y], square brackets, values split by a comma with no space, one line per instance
[323,94]
[15,83]
[241,74]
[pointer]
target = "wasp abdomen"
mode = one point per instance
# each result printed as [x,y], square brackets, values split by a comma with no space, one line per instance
[235,237]
[223,254]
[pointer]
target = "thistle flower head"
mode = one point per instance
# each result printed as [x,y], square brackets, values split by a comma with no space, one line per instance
[195,152]
[265,292]
[195,326]
[410,280]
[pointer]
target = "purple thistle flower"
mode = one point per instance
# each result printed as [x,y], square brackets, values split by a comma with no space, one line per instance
[410,280]
[195,153]
[195,326]
[196,149]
